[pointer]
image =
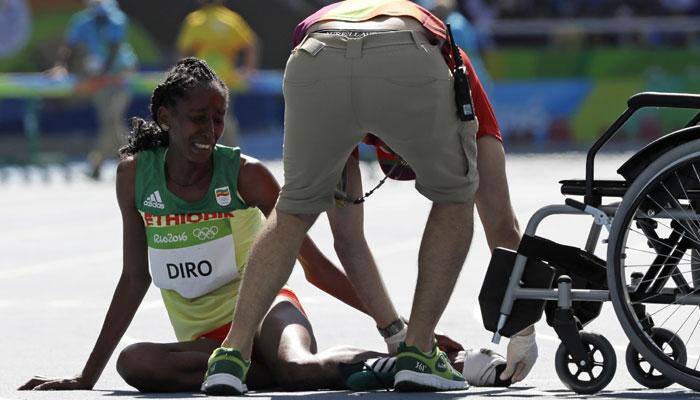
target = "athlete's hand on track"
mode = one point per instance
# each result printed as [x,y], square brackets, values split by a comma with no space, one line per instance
[451,347]
[446,344]
[43,383]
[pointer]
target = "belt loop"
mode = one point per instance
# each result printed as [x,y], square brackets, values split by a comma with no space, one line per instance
[354,48]
[414,36]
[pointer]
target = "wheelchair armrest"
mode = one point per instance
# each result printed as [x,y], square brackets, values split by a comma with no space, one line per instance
[671,100]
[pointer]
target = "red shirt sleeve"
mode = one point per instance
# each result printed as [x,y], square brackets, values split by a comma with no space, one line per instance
[488,125]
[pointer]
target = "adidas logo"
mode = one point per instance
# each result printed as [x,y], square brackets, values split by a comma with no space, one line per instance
[154,201]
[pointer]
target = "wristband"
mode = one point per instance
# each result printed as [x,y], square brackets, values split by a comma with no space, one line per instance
[392,329]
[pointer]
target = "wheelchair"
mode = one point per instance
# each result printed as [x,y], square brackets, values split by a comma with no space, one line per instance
[651,275]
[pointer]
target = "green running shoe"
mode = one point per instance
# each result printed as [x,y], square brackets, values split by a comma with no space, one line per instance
[226,372]
[420,372]
[372,374]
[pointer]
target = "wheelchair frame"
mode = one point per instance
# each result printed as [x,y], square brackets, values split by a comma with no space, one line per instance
[566,324]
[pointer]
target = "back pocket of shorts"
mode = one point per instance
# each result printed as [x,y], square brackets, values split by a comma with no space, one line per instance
[412,81]
[467,135]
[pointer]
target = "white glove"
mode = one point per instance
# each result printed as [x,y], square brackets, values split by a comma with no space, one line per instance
[393,341]
[521,357]
[480,366]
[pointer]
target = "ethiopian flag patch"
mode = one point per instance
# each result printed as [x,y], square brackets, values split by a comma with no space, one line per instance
[223,196]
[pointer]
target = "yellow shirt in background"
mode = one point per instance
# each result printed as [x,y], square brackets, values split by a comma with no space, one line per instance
[217,35]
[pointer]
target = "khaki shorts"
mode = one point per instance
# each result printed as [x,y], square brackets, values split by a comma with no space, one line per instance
[395,85]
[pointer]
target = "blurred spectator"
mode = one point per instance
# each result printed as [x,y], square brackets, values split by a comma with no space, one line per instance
[223,39]
[97,35]
[604,22]
[15,26]
[679,7]
[466,36]
[524,9]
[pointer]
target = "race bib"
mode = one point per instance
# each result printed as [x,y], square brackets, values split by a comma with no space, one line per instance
[192,259]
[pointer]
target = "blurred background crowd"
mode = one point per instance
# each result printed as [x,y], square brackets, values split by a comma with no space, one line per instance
[557,71]
[584,8]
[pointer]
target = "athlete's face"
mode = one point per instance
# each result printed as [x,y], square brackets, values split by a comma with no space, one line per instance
[196,123]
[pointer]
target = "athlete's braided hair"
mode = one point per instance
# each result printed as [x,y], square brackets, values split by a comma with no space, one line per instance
[186,74]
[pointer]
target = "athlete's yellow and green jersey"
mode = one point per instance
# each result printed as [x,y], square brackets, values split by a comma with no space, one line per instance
[197,251]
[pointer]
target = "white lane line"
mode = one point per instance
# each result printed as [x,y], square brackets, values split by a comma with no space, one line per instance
[79,260]
[81,304]
[42,305]
[394,248]
[127,340]
[312,299]
[152,305]
[72,303]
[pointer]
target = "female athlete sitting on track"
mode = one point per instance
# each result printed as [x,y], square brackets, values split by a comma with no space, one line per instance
[190,211]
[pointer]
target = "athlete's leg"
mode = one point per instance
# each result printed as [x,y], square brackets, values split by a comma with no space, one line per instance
[347,225]
[492,197]
[287,345]
[176,367]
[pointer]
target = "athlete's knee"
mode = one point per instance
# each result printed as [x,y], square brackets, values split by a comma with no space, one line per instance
[298,373]
[135,365]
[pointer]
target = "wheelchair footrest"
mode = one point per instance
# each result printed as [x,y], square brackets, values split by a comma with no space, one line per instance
[525,312]
[585,269]
[567,260]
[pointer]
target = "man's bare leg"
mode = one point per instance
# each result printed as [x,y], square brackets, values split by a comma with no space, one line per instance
[347,225]
[446,240]
[270,263]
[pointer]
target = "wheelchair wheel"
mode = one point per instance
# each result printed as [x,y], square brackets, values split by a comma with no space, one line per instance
[645,373]
[592,379]
[654,232]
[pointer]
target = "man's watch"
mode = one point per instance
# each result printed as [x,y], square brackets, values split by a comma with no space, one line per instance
[392,329]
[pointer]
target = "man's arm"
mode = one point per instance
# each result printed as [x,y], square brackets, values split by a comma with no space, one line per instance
[60,67]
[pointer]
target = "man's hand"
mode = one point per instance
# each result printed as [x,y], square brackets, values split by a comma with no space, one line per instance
[393,341]
[43,383]
[521,356]
[451,348]
[57,72]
